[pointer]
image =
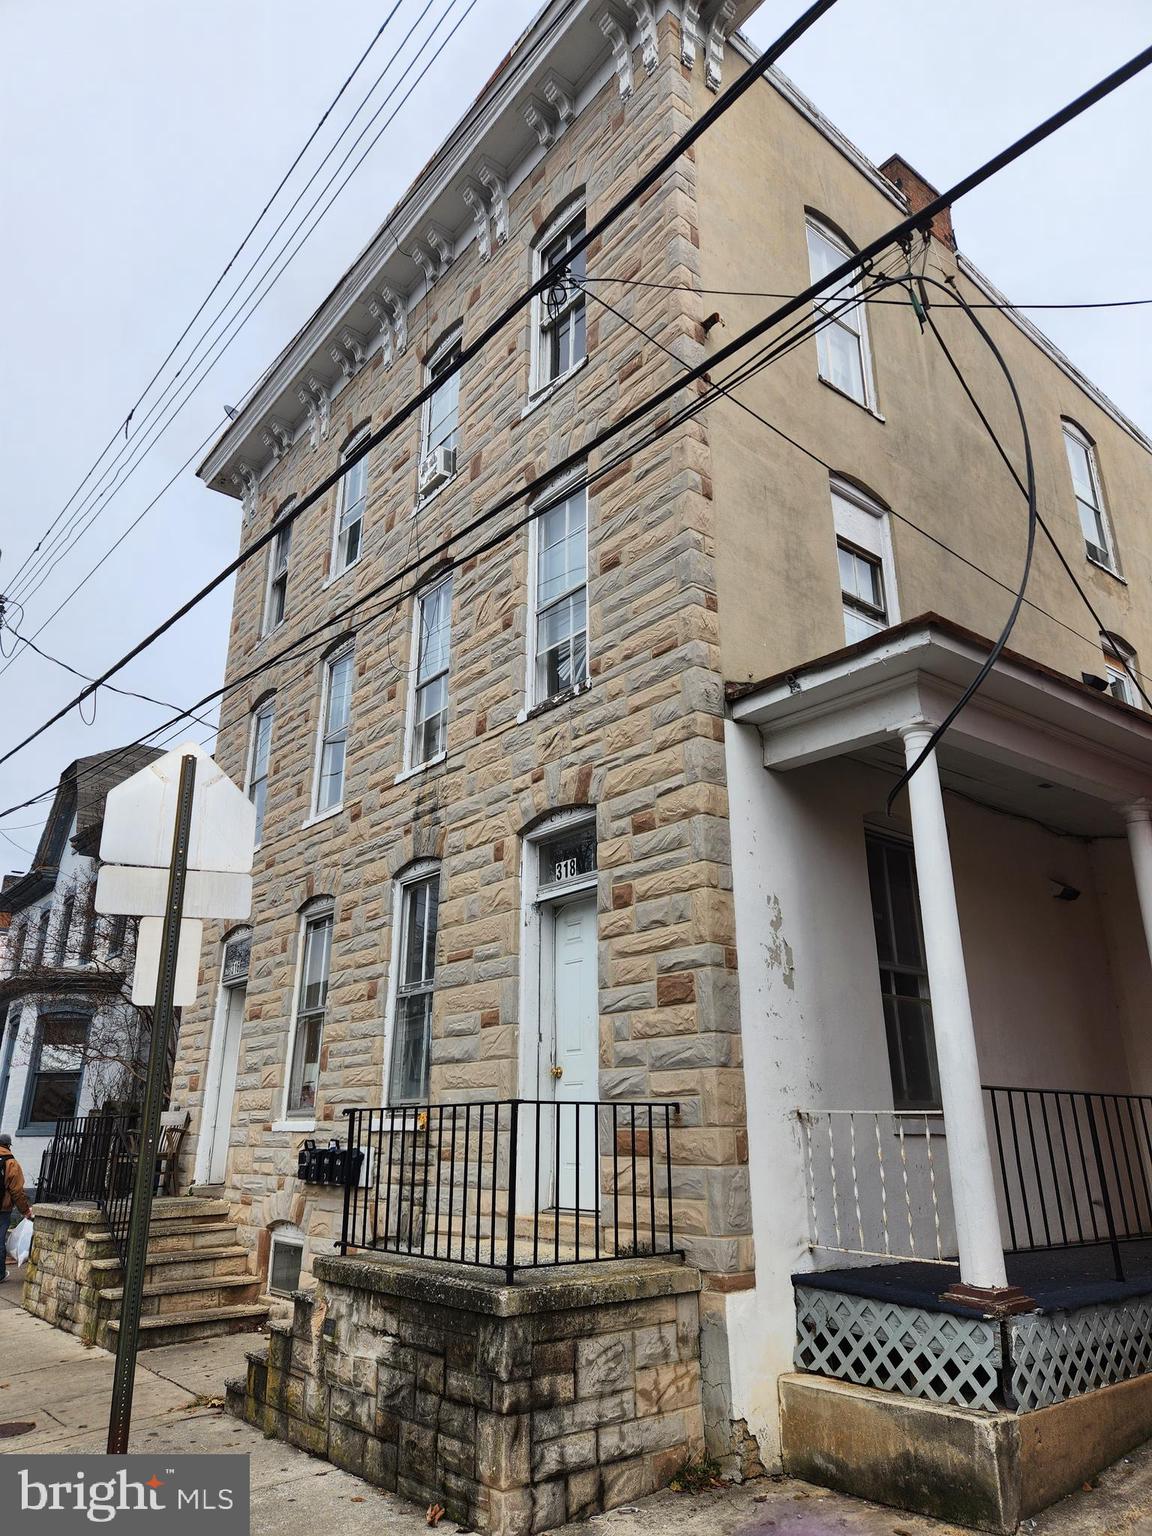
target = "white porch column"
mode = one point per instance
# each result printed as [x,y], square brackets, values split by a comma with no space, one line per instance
[1138,817]
[969,1156]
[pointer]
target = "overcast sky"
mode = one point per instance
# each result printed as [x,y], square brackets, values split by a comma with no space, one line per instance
[142,138]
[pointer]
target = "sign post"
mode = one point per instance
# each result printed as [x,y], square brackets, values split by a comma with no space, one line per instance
[210,831]
[120,1418]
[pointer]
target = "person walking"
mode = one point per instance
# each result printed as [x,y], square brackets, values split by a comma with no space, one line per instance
[13,1200]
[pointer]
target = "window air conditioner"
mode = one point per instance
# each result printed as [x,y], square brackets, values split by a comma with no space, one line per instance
[436,469]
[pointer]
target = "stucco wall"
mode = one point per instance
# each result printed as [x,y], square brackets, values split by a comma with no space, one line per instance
[760,167]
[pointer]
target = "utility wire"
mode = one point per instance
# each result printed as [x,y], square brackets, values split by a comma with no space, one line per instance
[757,293]
[223,274]
[901,231]
[139,450]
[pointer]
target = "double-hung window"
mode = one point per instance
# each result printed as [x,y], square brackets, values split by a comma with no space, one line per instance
[311,1009]
[561,649]
[57,1070]
[64,928]
[561,340]
[259,756]
[441,435]
[1089,496]
[276,601]
[842,337]
[333,750]
[350,503]
[415,985]
[431,643]
[864,557]
[904,990]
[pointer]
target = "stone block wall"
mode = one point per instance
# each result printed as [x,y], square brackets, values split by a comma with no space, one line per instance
[516,1407]
[59,1284]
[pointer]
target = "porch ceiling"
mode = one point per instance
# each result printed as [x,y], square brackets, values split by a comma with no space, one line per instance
[1032,742]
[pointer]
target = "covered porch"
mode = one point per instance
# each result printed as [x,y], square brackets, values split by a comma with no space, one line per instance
[945,1015]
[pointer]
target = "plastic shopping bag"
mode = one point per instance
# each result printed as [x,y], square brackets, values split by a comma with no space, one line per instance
[19,1243]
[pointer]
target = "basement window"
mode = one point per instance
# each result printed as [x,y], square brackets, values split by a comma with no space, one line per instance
[285,1261]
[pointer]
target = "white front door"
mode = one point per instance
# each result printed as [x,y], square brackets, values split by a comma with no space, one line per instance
[222,1091]
[575,1048]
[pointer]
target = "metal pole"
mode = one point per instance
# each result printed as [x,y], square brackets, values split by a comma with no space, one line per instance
[120,1418]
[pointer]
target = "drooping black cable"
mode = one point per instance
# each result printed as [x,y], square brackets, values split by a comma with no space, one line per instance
[899,232]
[223,274]
[958,301]
[1002,640]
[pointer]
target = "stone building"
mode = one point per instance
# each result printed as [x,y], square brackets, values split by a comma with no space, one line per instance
[597,811]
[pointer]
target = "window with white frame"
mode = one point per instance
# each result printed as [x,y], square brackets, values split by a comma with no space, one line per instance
[431,644]
[311,1010]
[1120,665]
[333,749]
[864,556]
[842,337]
[351,498]
[561,609]
[441,422]
[417,900]
[259,757]
[276,598]
[560,329]
[56,1071]
[1089,497]
[64,927]
[41,935]
[285,1259]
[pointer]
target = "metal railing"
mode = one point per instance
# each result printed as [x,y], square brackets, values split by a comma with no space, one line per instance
[511,1184]
[92,1158]
[1075,1168]
[876,1183]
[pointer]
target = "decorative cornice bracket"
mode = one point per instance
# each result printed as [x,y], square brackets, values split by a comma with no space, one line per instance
[621,51]
[718,31]
[277,437]
[645,14]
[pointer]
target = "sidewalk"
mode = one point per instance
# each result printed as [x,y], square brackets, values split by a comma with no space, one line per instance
[50,1380]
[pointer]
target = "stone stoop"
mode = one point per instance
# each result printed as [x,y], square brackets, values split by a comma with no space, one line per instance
[516,1407]
[197,1281]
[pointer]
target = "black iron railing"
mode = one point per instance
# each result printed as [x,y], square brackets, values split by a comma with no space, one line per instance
[1075,1168]
[511,1184]
[92,1158]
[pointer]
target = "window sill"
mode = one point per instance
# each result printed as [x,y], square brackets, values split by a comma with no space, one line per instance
[540,396]
[417,768]
[861,405]
[426,501]
[303,1127]
[556,700]
[335,576]
[314,821]
[1107,569]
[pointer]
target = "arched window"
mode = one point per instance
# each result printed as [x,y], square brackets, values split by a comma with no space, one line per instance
[1081,450]
[259,759]
[842,338]
[311,1011]
[558,330]
[427,715]
[864,556]
[332,742]
[415,908]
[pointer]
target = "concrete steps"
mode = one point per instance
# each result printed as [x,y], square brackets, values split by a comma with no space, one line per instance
[197,1283]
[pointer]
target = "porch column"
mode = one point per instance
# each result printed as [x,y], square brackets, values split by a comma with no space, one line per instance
[969,1156]
[1138,817]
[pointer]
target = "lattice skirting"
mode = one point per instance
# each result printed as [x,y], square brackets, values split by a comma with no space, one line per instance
[909,1350]
[1059,1355]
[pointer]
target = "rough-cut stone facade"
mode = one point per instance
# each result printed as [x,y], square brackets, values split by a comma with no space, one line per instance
[641,744]
[517,1408]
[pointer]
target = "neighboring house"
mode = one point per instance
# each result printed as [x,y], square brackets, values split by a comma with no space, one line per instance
[600,814]
[72,1037]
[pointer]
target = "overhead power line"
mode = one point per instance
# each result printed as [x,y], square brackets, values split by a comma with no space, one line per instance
[309,141]
[761,293]
[901,231]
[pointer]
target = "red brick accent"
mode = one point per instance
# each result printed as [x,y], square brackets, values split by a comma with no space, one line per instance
[680,987]
[622,895]
[919,194]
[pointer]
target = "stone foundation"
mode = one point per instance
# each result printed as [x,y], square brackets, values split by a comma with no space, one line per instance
[516,1407]
[58,1281]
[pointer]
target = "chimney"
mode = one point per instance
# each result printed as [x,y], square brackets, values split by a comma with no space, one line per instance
[919,194]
